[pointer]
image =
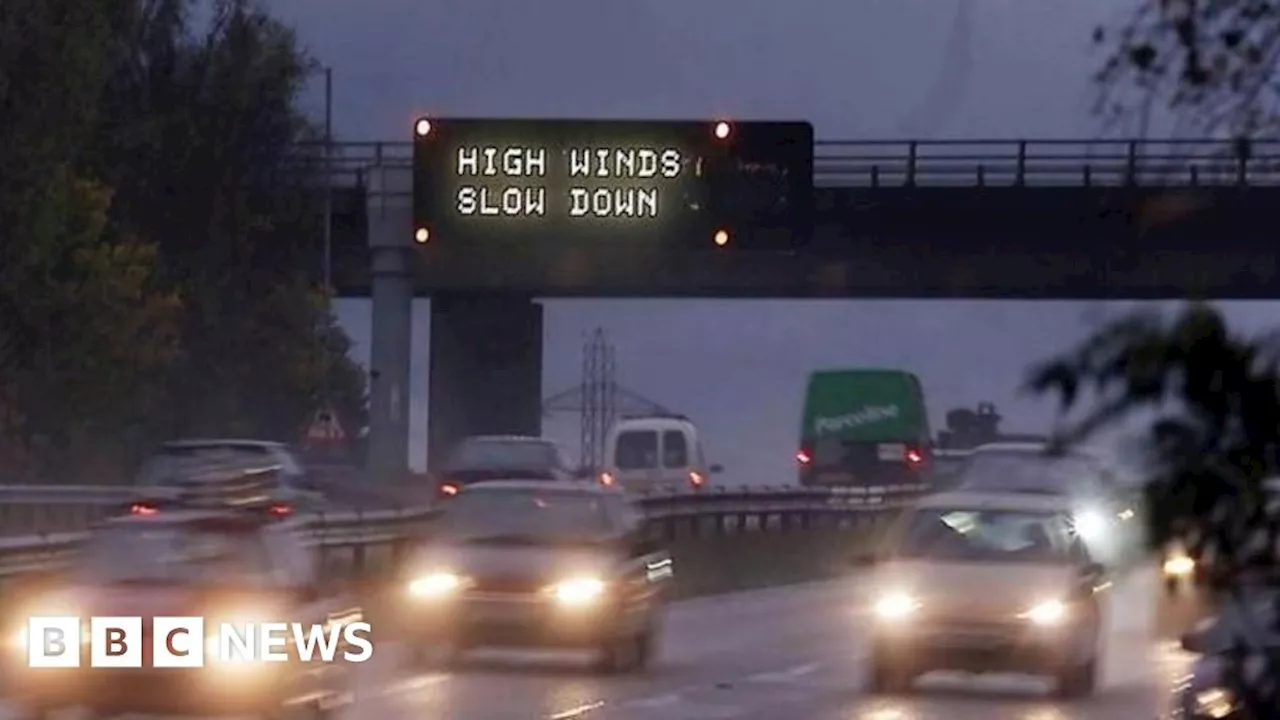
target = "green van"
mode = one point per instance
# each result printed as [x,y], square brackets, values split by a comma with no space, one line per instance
[864,427]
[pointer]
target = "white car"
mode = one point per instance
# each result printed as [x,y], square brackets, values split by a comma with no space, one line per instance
[985,583]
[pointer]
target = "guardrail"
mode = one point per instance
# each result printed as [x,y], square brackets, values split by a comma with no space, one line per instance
[26,509]
[967,163]
[355,544]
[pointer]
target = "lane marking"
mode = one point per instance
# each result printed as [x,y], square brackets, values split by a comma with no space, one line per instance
[788,675]
[792,675]
[655,701]
[577,712]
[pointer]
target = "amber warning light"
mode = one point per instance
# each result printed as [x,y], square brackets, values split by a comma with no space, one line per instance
[422,127]
[722,130]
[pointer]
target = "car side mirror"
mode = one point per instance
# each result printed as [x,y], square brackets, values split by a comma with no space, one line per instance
[716,469]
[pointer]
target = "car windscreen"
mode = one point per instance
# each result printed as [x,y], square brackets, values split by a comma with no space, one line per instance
[514,454]
[978,535]
[1029,472]
[177,553]
[521,515]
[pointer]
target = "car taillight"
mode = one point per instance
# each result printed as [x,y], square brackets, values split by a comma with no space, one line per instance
[914,456]
[140,508]
[449,489]
[803,457]
[696,479]
[606,479]
[279,509]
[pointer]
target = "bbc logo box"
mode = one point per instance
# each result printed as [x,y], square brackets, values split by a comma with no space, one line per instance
[186,642]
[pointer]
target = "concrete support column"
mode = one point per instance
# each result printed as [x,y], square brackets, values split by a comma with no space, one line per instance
[390,246]
[486,368]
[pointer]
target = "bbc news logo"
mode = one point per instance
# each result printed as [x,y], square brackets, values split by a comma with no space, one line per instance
[186,642]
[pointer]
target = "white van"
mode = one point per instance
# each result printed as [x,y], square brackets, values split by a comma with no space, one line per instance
[655,454]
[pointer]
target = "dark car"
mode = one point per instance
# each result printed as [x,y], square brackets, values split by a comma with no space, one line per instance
[531,563]
[503,457]
[1204,693]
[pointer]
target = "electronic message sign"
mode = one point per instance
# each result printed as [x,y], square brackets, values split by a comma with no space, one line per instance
[590,183]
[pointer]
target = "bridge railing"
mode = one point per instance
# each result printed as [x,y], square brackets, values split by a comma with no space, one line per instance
[1071,163]
[969,163]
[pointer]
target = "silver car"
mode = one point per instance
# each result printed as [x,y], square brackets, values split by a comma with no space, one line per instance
[181,463]
[985,583]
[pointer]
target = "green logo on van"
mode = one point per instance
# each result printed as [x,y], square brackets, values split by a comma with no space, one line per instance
[868,415]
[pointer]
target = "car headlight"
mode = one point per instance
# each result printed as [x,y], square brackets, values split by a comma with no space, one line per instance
[1048,613]
[434,585]
[1179,566]
[894,606]
[1090,524]
[579,591]
[1215,703]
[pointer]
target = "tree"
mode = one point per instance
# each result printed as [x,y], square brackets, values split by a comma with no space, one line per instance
[206,119]
[1213,61]
[83,329]
[1213,444]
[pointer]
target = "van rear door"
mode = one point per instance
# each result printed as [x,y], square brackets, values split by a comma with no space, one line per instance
[635,458]
[834,460]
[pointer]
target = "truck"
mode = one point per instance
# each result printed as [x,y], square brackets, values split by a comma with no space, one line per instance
[864,427]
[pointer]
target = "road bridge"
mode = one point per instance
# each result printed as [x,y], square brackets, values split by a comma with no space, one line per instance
[911,219]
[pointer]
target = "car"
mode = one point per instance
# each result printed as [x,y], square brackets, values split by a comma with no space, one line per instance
[185,560]
[656,453]
[183,462]
[1106,509]
[984,582]
[498,457]
[1181,571]
[535,563]
[1205,693]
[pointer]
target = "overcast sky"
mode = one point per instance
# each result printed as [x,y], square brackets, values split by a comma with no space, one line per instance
[866,69]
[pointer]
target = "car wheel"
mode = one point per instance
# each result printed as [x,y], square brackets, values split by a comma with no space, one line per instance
[888,677]
[1078,681]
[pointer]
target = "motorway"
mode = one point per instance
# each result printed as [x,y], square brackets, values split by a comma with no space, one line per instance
[785,652]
